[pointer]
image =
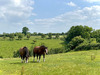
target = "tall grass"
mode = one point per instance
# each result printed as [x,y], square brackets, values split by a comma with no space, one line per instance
[71,63]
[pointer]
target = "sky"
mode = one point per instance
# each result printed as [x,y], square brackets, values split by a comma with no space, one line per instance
[45,16]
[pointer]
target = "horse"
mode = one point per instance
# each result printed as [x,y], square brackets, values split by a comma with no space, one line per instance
[24,53]
[40,50]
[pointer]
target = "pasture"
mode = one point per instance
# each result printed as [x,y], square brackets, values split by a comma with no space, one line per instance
[7,47]
[71,63]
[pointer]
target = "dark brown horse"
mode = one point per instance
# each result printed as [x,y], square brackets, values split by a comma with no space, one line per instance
[40,50]
[24,53]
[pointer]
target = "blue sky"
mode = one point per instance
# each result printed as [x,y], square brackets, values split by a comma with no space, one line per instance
[48,15]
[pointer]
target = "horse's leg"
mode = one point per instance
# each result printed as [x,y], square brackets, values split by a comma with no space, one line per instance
[39,57]
[34,57]
[43,57]
[26,60]
[22,59]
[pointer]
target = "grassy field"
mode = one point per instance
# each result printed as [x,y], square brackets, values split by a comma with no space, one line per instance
[71,63]
[7,47]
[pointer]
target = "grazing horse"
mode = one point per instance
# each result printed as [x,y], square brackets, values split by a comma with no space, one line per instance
[24,53]
[40,50]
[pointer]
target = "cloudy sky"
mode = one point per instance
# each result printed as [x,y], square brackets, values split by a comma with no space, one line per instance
[48,15]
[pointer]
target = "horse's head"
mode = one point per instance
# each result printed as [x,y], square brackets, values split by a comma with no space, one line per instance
[45,49]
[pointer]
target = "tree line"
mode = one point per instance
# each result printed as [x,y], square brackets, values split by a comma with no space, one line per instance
[25,32]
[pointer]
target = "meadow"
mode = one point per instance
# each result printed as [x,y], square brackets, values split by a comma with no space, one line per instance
[8,47]
[71,63]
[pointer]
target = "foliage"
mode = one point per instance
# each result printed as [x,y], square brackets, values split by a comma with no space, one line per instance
[56,50]
[20,36]
[16,54]
[11,36]
[43,35]
[4,37]
[57,36]
[25,30]
[50,35]
[89,46]
[96,34]
[74,31]
[75,42]
[28,36]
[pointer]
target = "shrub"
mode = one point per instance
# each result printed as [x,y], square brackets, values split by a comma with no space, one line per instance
[28,36]
[56,50]
[16,54]
[1,56]
[20,36]
[11,36]
[75,42]
[89,46]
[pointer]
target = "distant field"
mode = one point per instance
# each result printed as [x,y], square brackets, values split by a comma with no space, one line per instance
[7,47]
[71,63]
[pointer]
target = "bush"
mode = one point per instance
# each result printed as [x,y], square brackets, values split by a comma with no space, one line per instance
[90,46]
[16,54]
[1,56]
[75,42]
[20,36]
[56,50]
[28,36]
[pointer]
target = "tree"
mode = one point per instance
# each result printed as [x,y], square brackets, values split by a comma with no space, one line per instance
[83,31]
[75,42]
[20,36]
[57,36]
[4,37]
[50,35]
[43,35]
[25,30]
[28,36]
[11,36]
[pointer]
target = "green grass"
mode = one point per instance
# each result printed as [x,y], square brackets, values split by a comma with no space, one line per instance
[7,47]
[71,63]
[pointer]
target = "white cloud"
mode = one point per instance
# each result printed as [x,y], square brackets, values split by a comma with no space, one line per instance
[87,16]
[14,14]
[15,10]
[71,4]
[91,1]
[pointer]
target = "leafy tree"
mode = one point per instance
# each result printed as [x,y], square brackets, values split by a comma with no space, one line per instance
[25,30]
[4,37]
[11,36]
[28,36]
[50,35]
[57,36]
[83,31]
[96,34]
[43,35]
[75,42]
[35,33]
[20,36]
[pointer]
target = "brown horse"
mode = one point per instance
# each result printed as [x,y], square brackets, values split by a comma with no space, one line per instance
[24,53]
[40,50]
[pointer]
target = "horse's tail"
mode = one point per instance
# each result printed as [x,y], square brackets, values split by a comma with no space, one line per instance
[26,51]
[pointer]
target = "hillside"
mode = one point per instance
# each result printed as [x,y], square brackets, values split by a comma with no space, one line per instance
[8,47]
[71,63]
